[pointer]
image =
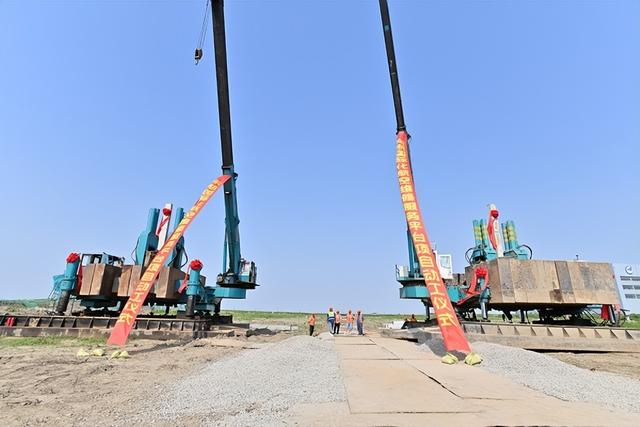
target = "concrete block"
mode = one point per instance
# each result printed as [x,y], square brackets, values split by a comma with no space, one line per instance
[98,279]
[542,282]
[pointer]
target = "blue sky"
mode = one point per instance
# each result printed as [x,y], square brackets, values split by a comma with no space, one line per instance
[534,106]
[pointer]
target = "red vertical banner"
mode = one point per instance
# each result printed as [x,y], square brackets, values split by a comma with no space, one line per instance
[452,333]
[132,308]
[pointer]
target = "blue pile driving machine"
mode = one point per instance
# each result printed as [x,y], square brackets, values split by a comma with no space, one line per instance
[502,276]
[104,282]
[492,240]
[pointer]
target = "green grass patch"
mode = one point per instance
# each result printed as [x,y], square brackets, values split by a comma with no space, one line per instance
[50,341]
[244,316]
[241,315]
[373,319]
[26,303]
[633,322]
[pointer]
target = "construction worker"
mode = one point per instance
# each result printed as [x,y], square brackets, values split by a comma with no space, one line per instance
[360,322]
[312,324]
[349,322]
[331,317]
[336,327]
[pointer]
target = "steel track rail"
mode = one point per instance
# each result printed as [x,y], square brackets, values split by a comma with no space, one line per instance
[539,337]
[152,327]
[556,337]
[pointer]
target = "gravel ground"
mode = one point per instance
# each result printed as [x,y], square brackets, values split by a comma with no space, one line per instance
[255,387]
[553,377]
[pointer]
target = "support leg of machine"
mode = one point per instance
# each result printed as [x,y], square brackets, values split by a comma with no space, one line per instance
[485,311]
[427,309]
[508,316]
[63,302]
[191,305]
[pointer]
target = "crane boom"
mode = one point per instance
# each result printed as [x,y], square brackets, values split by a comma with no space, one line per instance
[232,229]
[391,61]
[414,266]
[424,280]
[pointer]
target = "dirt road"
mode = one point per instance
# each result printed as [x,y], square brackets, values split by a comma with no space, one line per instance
[49,385]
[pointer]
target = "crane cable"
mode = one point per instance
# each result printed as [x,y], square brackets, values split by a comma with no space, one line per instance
[203,32]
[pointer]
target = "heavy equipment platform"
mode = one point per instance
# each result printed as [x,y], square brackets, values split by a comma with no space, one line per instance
[155,327]
[537,337]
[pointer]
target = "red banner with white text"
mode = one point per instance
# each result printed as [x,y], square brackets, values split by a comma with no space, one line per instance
[452,333]
[132,308]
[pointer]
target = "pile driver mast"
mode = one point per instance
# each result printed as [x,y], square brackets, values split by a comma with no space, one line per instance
[238,274]
[430,286]
[391,61]
[413,276]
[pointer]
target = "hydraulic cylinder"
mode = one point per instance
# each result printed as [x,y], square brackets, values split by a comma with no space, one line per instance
[68,283]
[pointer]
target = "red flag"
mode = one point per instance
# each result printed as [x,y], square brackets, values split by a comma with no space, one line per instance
[452,333]
[133,306]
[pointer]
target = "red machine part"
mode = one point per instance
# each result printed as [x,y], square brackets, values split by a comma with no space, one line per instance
[471,291]
[493,215]
[79,285]
[480,272]
[196,265]
[166,212]
[75,257]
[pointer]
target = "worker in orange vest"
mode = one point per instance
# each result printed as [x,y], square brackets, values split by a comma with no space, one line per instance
[312,324]
[349,322]
[336,328]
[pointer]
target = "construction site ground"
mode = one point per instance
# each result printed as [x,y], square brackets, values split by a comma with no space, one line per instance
[49,385]
[386,382]
[627,364]
[392,382]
